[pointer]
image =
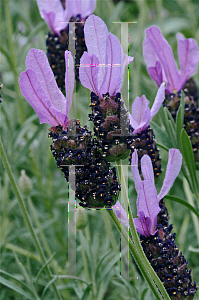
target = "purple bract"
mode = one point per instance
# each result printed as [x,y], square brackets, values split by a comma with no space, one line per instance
[148,200]
[160,62]
[39,87]
[102,67]
[141,114]
[56,16]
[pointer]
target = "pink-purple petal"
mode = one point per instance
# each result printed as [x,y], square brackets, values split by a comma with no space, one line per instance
[82,7]
[52,12]
[112,78]
[88,72]
[158,100]
[135,171]
[121,214]
[188,56]
[143,224]
[156,73]
[140,117]
[157,45]
[38,62]
[96,32]
[147,202]
[173,168]
[147,168]
[33,91]
[69,79]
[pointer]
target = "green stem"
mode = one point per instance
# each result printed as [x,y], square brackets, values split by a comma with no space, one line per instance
[142,260]
[136,256]
[26,216]
[108,225]
[12,52]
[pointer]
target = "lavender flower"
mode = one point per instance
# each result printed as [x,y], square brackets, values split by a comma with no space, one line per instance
[148,200]
[152,223]
[102,67]
[102,71]
[39,87]
[57,14]
[161,67]
[143,138]
[141,114]
[160,61]
[96,184]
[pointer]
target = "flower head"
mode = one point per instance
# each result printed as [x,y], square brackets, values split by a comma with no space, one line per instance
[148,200]
[56,16]
[102,67]
[39,87]
[141,114]
[160,62]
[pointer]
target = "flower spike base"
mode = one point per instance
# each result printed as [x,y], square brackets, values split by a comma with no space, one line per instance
[166,259]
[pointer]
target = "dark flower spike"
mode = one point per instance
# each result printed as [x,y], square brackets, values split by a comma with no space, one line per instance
[102,71]
[143,138]
[152,223]
[39,87]
[96,184]
[57,14]
[161,67]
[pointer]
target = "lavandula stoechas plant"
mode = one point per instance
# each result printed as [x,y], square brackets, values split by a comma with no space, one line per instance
[155,232]
[161,67]
[102,71]
[143,139]
[57,14]
[96,184]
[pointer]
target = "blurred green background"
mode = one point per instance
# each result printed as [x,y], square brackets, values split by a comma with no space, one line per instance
[28,148]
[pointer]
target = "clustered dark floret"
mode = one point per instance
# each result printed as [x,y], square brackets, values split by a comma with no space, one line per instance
[96,184]
[145,143]
[166,259]
[56,47]
[111,126]
[191,112]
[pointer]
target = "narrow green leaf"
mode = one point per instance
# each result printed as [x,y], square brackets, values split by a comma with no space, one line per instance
[47,286]
[71,277]
[189,159]
[161,135]
[182,104]
[5,52]
[180,121]
[15,288]
[17,279]
[192,249]
[19,134]
[169,116]
[22,251]
[144,293]
[43,267]
[171,134]
[100,262]
[178,127]
[23,270]
[24,151]
[181,201]
[86,292]
[163,147]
